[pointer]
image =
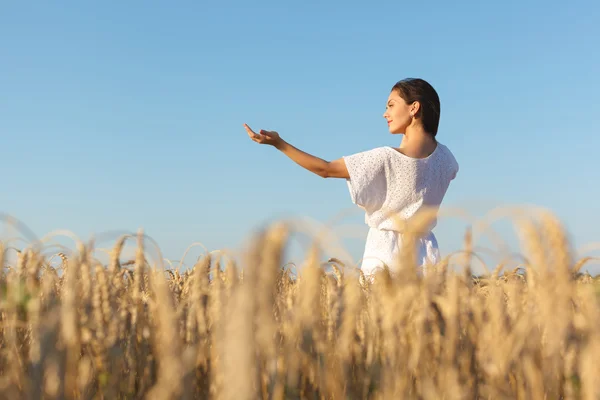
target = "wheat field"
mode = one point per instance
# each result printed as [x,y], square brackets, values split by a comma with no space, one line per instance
[79,329]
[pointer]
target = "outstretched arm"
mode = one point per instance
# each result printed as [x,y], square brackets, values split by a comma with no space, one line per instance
[325,169]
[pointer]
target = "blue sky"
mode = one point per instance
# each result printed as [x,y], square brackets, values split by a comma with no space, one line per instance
[121,115]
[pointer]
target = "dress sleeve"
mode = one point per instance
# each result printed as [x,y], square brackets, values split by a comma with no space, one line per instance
[367,181]
[454,168]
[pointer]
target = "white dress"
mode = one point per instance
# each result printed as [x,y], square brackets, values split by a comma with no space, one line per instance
[383,180]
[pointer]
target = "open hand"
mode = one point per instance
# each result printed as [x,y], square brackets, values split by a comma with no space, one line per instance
[264,137]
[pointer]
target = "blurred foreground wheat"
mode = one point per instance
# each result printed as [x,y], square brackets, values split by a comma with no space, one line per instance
[87,330]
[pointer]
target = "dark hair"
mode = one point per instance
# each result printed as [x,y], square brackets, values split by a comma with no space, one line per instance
[415,89]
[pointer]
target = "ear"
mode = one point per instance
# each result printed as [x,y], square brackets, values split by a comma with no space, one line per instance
[415,107]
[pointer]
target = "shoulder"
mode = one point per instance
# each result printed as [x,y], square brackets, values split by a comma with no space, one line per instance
[371,161]
[446,152]
[374,154]
[447,158]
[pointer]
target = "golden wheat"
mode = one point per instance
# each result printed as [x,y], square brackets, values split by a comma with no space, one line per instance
[82,330]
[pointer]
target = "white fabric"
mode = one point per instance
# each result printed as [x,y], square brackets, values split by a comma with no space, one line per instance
[388,184]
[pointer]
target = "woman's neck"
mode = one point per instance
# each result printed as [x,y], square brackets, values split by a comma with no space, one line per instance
[417,143]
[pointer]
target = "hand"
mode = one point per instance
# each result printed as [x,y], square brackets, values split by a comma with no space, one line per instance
[264,137]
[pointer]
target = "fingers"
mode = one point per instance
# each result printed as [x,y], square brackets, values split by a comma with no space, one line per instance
[249,130]
[253,135]
[256,137]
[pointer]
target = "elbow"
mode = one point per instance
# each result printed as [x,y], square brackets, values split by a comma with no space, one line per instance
[331,170]
[324,172]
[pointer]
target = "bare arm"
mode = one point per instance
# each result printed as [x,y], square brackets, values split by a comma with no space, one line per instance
[325,169]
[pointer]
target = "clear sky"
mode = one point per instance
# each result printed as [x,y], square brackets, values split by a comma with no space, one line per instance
[127,115]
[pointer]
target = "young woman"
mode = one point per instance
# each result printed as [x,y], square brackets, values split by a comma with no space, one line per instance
[391,182]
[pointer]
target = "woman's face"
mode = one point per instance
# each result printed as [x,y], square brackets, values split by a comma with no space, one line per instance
[397,113]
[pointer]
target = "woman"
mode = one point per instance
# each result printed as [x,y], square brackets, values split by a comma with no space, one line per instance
[402,180]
